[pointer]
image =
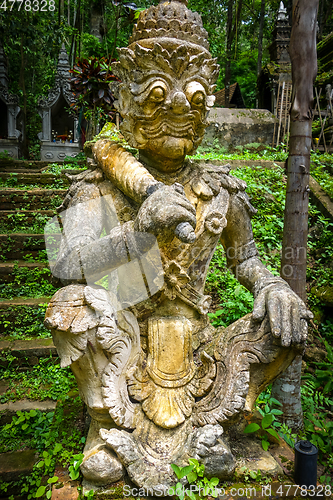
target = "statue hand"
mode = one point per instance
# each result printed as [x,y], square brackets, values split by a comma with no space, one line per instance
[164,210]
[287,313]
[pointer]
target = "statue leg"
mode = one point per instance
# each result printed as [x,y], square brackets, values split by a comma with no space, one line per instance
[100,465]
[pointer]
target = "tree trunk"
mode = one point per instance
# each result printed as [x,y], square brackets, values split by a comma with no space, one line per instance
[260,36]
[295,231]
[227,74]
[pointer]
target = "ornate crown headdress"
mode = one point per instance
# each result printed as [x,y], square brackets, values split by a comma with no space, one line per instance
[170,20]
[168,40]
[168,31]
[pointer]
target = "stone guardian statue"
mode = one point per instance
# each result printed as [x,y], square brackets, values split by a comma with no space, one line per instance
[160,382]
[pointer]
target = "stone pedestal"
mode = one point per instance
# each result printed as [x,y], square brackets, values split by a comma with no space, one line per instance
[55,151]
[239,127]
[10,146]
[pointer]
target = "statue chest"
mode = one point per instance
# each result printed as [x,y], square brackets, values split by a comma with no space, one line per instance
[211,210]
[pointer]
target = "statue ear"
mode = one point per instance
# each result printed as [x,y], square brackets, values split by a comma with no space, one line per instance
[210,101]
[124,101]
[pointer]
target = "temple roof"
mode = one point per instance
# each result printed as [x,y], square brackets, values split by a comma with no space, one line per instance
[235,97]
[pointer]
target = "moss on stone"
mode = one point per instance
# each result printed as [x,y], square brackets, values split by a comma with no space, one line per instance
[111,133]
[324,294]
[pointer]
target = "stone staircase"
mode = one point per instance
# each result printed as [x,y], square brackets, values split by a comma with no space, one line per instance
[28,198]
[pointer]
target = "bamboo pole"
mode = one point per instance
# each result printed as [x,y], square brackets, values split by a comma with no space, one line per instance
[280,118]
[321,122]
[277,100]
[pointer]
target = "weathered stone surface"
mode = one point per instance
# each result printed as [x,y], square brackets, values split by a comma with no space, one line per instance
[66,492]
[16,463]
[321,199]
[143,352]
[8,410]
[314,354]
[250,454]
[237,127]
[65,488]
[101,467]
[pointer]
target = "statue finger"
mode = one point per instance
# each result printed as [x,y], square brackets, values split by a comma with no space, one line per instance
[184,202]
[179,214]
[259,307]
[304,330]
[286,324]
[275,316]
[304,312]
[295,321]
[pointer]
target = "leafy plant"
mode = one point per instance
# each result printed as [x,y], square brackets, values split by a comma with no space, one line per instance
[318,428]
[269,424]
[28,282]
[194,474]
[74,468]
[266,427]
[323,373]
[250,474]
[56,436]
[91,86]
[46,380]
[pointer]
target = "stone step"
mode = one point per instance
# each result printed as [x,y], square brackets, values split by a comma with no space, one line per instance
[34,179]
[8,410]
[34,199]
[16,464]
[18,219]
[250,163]
[12,164]
[16,246]
[18,301]
[27,353]
[8,268]
[321,199]
[22,317]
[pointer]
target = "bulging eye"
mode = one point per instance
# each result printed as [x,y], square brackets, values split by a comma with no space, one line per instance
[157,94]
[198,98]
[196,94]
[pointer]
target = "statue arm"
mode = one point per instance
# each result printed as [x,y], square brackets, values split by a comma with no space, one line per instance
[238,243]
[287,313]
[83,254]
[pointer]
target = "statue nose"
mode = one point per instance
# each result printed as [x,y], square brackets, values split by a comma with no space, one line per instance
[179,103]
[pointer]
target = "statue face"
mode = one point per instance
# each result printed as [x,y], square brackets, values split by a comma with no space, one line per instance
[172,118]
[165,107]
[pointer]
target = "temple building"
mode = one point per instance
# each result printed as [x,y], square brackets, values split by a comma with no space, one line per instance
[59,137]
[277,73]
[9,111]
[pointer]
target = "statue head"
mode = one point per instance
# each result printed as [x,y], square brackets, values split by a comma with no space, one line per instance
[168,77]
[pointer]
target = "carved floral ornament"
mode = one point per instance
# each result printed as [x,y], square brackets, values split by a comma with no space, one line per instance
[7,97]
